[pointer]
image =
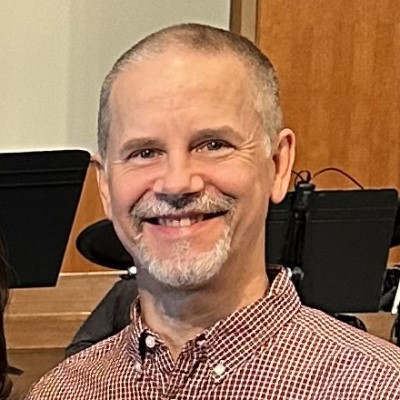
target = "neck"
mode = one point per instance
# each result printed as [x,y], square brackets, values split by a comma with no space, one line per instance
[179,315]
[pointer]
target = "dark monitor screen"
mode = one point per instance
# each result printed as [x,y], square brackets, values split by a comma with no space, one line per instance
[346,243]
[39,194]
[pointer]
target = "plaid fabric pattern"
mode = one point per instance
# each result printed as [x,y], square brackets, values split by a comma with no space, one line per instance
[273,349]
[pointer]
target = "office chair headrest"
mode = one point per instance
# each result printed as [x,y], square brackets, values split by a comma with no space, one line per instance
[100,244]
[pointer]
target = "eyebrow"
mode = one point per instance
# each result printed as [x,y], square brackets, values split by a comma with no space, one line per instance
[222,132]
[139,143]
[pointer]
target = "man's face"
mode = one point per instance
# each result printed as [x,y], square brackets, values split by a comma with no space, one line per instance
[187,178]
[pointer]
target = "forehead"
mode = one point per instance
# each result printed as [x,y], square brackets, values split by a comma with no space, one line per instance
[175,73]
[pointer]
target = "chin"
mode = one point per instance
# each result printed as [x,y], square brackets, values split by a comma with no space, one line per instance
[184,274]
[184,268]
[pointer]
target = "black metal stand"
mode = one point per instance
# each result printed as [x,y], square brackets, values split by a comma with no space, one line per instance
[294,242]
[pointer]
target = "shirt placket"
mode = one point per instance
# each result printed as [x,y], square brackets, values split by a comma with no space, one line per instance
[184,369]
[168,376]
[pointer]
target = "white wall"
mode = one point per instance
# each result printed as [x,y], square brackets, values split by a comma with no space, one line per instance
[55,54]
[34,46]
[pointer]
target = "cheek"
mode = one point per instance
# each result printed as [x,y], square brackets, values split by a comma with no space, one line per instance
[126,189]
[251,187]
[243,180]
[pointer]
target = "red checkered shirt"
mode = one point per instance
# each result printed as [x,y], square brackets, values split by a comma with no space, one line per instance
[274,348]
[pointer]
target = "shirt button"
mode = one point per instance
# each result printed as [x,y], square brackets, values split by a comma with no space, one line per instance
[138,367]
[150,341]
[219,369]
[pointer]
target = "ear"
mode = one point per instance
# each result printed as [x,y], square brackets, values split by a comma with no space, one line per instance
[102,183]
[283,158]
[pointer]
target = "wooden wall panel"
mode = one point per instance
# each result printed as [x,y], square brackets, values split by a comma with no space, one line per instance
[55,312]
[339,66]
[340,82]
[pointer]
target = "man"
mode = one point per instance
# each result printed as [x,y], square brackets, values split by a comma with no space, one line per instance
[191,151]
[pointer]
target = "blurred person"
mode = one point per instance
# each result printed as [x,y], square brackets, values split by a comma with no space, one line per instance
[5,382]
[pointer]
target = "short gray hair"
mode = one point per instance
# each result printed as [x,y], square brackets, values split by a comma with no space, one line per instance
[207,39]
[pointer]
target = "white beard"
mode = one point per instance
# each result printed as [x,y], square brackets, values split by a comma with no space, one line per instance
[185,269]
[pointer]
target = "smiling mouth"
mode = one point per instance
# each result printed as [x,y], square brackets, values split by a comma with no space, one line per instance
[175,221]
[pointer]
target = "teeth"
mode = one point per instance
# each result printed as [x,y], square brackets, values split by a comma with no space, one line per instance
[182,222]
[185,222]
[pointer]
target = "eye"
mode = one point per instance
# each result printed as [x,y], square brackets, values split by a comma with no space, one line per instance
[213,145]
[147,153]
[143,154]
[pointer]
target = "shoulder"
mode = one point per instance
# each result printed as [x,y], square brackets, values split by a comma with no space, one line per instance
[340,359]
[73,376]
[348,341]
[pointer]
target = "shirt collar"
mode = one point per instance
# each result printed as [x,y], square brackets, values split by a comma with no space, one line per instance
[234,339]
[137,332]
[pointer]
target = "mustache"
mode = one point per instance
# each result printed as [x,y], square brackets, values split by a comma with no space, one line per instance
[166,205]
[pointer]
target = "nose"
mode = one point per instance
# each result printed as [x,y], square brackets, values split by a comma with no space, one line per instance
[179,177]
